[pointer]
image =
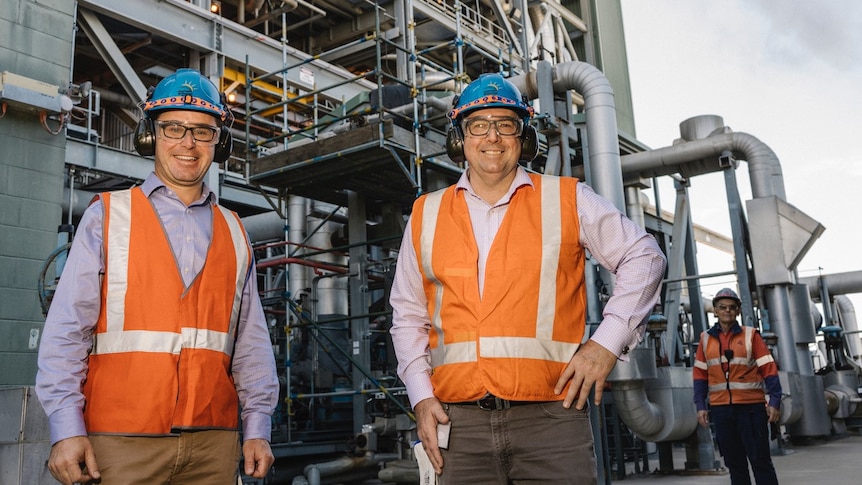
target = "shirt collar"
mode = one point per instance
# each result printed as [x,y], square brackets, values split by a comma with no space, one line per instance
[716,329]
[521,179]
[153,183]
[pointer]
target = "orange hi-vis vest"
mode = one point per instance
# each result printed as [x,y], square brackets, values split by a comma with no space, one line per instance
[742,383]
[161,358]
[515,340]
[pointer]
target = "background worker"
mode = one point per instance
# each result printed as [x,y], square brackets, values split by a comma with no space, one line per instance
[156,335]
[489,303]
[732,367]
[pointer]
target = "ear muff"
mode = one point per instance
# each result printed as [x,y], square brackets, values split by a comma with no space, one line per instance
[529,144]
[145,137]
[455,144]
[224,147]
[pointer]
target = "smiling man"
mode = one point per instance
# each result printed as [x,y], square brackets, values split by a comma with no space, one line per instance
[489,303]
[156,337]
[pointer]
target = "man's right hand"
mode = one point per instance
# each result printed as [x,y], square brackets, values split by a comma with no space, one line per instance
[703,418]
[429,412]
[72,460]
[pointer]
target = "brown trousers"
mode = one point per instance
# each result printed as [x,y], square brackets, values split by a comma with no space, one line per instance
[534,443]
[199,457]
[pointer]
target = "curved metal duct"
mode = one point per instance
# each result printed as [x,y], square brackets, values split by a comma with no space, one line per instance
[601,118]
[698,157]
[655,403]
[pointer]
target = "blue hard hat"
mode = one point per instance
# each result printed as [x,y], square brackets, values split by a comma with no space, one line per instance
[490,90]
[186,89]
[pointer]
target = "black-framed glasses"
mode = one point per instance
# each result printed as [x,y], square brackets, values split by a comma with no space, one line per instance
[503,126]
[723,308]
[177,131]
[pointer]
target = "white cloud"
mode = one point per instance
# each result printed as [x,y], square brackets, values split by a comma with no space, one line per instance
[787,72]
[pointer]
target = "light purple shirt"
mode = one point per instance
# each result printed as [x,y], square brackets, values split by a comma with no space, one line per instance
[613,240]
[67,337]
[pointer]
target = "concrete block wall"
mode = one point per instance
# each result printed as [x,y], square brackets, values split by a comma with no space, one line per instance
[35,42]
[25,443]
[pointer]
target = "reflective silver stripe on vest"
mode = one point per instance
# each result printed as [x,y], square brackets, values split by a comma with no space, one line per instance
[528,348]
[453,353]
[241,250]
[736,386]
[163,342]
[115,339]
[118,258]
[764,360]
[426,244]
[551,238]
[749,339]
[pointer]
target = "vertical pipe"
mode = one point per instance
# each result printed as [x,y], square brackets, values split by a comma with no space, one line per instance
[779,318]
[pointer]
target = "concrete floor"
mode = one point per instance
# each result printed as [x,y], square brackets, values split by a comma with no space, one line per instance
[835,462]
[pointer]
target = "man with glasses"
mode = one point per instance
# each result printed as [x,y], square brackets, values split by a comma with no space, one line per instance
[732,367]
[156,338]
[489,304]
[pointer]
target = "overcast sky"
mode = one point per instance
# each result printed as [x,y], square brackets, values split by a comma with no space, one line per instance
[787,72]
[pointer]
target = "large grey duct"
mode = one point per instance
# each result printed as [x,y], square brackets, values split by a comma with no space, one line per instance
[601,118]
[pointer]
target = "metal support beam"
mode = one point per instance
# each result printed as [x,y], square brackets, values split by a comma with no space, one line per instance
[675,265]
[199,29]
[359,302]
[112,55]
[738,229]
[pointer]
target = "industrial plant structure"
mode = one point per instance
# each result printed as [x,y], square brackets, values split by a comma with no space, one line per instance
[340,124]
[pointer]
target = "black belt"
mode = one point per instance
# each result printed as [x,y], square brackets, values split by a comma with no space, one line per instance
[493,403]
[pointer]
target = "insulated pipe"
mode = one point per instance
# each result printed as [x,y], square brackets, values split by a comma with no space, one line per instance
[346,464]
[297,211]
[601,118]
[838,283]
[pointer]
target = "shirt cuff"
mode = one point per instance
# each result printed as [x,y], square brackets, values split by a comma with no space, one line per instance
[419,388]
[617,338]
[66,423]
[257,426]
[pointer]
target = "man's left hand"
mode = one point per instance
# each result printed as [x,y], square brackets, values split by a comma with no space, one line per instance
[258,458]
[772,414]
[589,367]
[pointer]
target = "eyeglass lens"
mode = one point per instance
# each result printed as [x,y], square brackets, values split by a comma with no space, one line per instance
[504,126]
[732,308]
[177,131]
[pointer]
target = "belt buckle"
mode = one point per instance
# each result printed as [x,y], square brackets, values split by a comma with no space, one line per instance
[492,403]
